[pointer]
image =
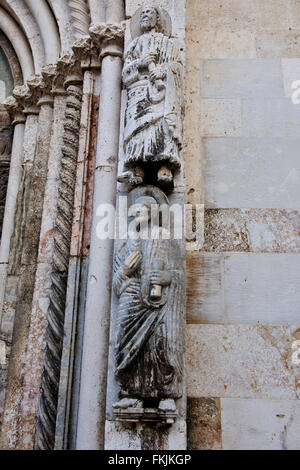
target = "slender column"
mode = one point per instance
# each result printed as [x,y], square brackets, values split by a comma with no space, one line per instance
[15,172]
[91,418]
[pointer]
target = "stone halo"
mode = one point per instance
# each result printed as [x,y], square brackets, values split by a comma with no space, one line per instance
[150,191]
[165,21]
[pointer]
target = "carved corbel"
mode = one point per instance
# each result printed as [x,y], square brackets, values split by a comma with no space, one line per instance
[109,38]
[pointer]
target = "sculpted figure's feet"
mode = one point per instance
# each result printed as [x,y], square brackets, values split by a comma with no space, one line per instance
[126,403]
[165,177]
[133,177]
[167,405]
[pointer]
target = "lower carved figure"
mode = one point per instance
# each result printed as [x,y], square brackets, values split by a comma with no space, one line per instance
[148,280]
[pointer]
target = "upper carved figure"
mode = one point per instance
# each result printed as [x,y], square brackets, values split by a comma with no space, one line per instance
[152,75]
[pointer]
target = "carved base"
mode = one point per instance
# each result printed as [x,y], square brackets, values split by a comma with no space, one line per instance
[146,414]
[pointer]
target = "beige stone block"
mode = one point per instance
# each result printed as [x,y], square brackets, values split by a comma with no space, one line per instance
[277,44]
[204,424]
[232,15]
[293,11]
[221,117]
[254,230]
[271,15]
[239,361]
[260,424]
[225,44]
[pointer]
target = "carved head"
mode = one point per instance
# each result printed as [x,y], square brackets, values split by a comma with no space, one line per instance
[149,19]
[141,210]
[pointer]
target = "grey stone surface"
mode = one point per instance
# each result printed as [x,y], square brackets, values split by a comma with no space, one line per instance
[260,424]
[248,288]
[270,118]
[130,436]
[291,73]
[240,361]
[221,117]
[251,173]
[241,78]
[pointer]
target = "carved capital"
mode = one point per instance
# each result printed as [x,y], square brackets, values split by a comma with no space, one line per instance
[53,79]
[109,38]
[40,90]
[86,52]
[14,110]
[26,99]
[69,67]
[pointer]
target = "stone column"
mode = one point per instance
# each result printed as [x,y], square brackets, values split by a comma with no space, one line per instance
[91,417]
[15,173]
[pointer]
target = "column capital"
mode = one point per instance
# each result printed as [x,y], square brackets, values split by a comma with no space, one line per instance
[109,38]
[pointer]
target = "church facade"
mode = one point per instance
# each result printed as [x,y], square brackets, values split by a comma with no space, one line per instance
[149,224]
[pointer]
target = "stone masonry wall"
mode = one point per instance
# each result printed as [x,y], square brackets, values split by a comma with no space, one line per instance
[243,164]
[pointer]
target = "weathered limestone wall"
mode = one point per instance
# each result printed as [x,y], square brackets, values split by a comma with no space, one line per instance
[243,164]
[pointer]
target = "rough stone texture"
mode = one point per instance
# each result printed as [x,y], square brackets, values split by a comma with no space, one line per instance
[138,436]
[278,44]
[253,230]
[204,424]
[249,288]
[260,424]
[240,361]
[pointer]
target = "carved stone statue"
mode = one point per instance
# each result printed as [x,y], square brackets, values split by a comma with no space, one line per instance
[152,75]
[148,280]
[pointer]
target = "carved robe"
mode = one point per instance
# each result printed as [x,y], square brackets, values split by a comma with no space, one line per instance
[153,120]
[149,345]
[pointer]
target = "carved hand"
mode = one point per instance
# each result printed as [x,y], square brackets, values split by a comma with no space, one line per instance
[157,74]
[147,59]
[132,262]
[161,278]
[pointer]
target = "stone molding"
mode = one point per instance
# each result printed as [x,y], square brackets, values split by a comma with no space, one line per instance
[104,39]
[80,14]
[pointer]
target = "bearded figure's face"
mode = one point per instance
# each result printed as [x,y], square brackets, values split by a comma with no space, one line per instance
[149,18]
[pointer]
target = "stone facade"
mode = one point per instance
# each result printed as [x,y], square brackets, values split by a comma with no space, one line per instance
[222,131]
[243,306]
